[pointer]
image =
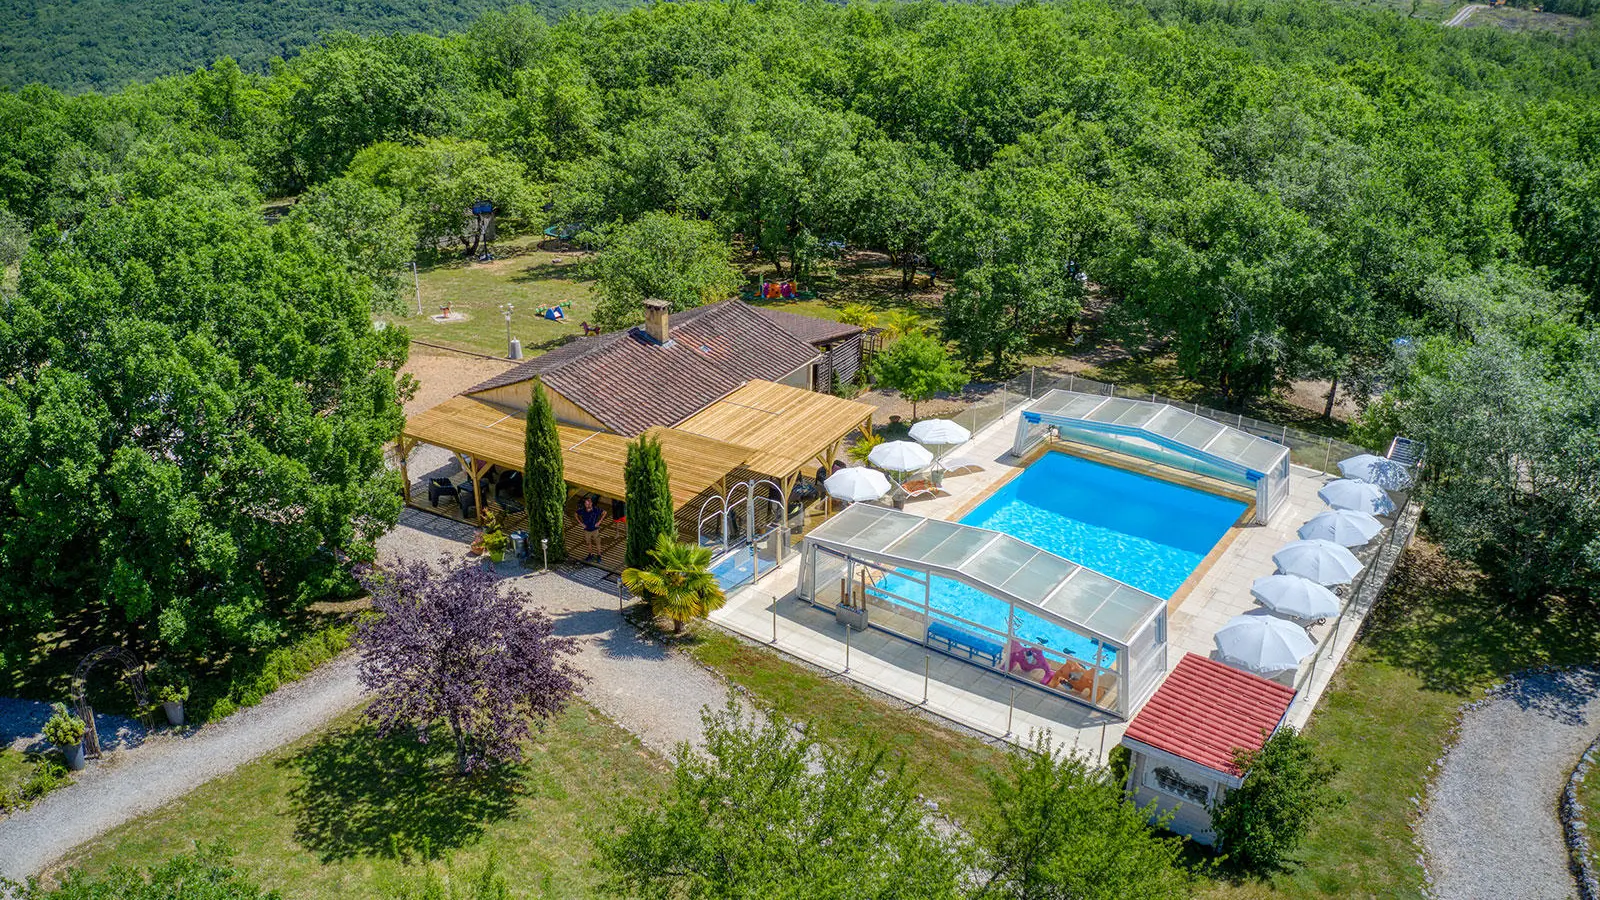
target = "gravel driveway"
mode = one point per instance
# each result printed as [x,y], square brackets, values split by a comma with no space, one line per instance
[1490,827]
[645,687]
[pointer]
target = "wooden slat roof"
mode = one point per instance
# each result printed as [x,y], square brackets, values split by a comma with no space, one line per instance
[593,460]
[789,425]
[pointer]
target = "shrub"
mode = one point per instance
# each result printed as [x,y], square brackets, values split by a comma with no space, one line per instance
[172,684]
[860,450]
[64,729]
[252,678]
[1286,786]
[47,775]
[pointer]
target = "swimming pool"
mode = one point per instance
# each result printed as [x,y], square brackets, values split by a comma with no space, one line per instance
[1140,530]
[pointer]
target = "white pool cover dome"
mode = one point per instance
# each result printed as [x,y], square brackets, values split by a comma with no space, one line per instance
[1164,434]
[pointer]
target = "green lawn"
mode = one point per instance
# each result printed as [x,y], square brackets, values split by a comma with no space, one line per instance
[1589,796]
[523,275]
[342,814]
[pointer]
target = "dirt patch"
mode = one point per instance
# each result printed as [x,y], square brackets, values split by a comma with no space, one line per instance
[441,375]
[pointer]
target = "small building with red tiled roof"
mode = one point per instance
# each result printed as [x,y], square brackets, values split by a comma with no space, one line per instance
[1183,740]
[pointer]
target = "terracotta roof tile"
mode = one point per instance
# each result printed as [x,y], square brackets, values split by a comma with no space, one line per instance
[630,383]
[1205,709]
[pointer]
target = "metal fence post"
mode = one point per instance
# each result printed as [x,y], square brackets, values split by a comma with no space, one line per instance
[1072,379]
[1011,710]
[1327,457]
[847,648]
[927,665]
[1032,371]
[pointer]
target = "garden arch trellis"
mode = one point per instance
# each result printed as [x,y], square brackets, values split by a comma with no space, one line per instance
[132,670]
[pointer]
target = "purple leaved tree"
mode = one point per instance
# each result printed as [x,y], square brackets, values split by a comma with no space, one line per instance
[448,646]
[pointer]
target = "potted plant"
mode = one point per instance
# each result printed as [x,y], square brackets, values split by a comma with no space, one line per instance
[66,730]
[495,544]
[172,689]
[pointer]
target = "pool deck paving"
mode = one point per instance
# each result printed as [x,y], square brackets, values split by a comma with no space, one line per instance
[769,612]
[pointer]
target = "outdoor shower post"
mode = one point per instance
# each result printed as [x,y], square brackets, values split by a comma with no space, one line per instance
[846,648]
[1011,710]
[774,620]
[927,664]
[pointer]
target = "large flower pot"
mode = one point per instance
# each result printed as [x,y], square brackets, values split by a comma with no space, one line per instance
[74,755]
[851,617]
[174,712]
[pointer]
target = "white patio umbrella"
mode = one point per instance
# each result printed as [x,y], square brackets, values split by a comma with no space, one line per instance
[1295,597]
[1348,493]
[1321,561]
[1263,644]
[857,483]
[900,456]
[1385,473]
[939,432]
[1345,527]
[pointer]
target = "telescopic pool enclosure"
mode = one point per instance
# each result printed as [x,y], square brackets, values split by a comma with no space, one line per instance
[990,599]
[1163,434]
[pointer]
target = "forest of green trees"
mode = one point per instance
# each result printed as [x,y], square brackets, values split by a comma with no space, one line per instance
[103,45]
[1265,191]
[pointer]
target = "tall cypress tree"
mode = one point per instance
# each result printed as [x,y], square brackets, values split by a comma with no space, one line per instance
[649,501]
[544,486]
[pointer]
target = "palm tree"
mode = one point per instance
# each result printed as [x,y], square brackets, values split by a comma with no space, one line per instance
[679,585]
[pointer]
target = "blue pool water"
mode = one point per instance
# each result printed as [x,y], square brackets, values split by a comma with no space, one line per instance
[1142,531]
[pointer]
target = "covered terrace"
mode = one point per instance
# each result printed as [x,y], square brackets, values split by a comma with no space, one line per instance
[487,442]
[789,429]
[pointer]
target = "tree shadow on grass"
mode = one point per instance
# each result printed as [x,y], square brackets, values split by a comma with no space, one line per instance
[1441,620]
[368,796]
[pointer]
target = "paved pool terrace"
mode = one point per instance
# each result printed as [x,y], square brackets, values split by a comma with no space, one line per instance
[1003,708]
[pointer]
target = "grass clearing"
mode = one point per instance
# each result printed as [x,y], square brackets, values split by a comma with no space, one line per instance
[342,814]
[949,766]
[521,274]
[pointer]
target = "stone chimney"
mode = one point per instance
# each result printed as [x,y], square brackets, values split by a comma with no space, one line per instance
[655,320]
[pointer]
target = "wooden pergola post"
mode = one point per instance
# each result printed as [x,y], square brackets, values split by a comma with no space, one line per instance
[404,449]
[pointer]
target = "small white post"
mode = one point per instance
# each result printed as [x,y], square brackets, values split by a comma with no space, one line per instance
[418,282]
[847,647]
[774,620]
[927,662]
[1011,711]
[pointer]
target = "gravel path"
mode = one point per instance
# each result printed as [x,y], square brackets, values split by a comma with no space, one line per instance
[645,687]
[1490,827]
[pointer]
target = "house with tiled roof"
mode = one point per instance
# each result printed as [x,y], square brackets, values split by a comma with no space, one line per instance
[662,372]
[1182,742]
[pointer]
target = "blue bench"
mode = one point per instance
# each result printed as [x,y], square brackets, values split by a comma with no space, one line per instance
[957,641]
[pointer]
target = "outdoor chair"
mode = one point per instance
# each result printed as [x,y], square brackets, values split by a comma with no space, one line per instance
[440,487]
[468,499]
[959,465]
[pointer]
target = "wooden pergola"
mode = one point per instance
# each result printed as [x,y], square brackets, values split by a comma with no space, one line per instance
[790,428]
[483,436]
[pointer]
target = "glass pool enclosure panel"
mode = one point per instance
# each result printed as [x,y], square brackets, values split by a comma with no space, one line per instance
[1163,434]
[991,600]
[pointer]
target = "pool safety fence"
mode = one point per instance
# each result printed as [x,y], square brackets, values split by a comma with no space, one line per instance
[1312,451]
[1378,558]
